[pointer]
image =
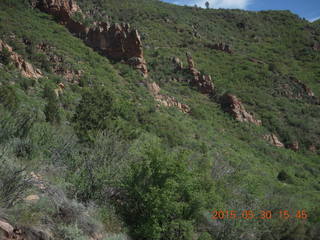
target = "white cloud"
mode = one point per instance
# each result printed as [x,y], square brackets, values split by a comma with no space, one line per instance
[314,19]
[242,4]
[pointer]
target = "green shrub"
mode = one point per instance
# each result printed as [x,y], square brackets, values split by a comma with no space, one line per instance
[52,108]
[8,97]
[162,196]
[5,56]
[13,182]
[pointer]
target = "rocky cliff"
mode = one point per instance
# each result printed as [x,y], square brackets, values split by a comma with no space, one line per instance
[115,41]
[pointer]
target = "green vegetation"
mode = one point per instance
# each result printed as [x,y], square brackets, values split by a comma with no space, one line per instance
[114,163]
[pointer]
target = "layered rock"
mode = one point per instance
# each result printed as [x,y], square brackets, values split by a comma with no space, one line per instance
[232,105]
[273,139]
[26,69]
[201,81]
[115,41]
[166,101]
[220,47]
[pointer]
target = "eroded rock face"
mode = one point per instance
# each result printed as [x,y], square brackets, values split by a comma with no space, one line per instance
[115,41]
[166,101]
[273,139]
[27,70]
[231,104]
[201,81]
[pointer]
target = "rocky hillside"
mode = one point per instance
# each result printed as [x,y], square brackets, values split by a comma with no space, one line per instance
[145,120]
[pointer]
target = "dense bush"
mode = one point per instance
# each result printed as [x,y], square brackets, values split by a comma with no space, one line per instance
[13,182]
[8,97]
[163,197]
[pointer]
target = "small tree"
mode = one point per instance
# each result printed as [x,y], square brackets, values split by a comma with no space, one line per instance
[207,5]
[51,110]
[163,196]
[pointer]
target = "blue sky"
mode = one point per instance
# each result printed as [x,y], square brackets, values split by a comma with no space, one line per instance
[309,9]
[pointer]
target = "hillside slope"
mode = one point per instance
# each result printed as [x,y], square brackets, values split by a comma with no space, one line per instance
[92,149]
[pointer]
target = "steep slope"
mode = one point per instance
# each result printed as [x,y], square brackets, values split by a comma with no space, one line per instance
[114,162]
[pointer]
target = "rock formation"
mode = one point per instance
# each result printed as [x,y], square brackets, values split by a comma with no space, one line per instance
[220,47]
[231,104]
[166,101]
[115,41]
[58,64]
[305,88]
[273,139]
[26,69]
[294,146]
[201,81]
[8,232]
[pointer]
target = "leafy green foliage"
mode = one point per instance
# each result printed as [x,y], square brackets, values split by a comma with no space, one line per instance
[51,110]
[162,196]
[8,97]
[165,191]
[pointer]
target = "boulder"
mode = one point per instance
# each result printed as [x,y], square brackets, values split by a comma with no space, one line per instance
[32,198]
[273,139]
[232,105]
[6,229]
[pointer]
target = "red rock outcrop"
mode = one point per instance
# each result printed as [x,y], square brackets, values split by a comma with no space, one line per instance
[26,69]
[273,139]
[166,101]
[220,47]
[201,81]
[231,104]
[115,41]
